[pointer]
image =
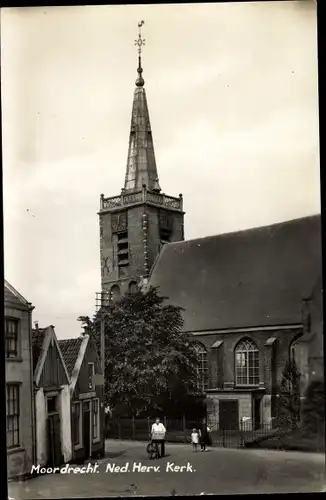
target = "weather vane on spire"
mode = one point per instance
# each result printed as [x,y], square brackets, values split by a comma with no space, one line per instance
[140,41]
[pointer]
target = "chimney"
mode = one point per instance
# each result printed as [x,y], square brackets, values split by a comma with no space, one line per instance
[36,325]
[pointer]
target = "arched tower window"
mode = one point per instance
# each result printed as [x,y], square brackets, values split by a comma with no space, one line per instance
[133,287]
[202,367]
[247,363]
[115,292]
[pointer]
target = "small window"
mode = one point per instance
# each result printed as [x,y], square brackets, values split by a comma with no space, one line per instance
[115,292]
[165,236]
[96,419]
[122,236]
[91,372]
[123,249]
[11,336]
[52,404]
[13,414]
[133,287]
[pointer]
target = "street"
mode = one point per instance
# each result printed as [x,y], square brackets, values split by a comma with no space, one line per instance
[127,471]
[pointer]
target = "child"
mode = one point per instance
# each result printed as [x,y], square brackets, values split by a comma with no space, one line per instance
[194,439]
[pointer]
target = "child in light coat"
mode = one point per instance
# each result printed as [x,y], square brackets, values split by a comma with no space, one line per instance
[194,439]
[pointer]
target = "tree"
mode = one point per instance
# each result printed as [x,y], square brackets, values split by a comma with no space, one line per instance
[313,411]
[150,365]
[288,403]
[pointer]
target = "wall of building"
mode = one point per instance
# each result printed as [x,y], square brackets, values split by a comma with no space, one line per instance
[143,235]
[266,409]
[65,417]
[224,376]
[20,460]
[41,431]
[245,407]
[82,390]
[316,345]
[154,239]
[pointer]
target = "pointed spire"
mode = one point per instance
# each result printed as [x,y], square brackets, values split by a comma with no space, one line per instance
[141,164]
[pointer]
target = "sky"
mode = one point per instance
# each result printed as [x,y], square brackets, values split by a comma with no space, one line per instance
[232,90]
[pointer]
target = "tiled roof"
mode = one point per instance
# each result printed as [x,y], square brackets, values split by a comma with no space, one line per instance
[13,296]
[70,350]
[251,278]
[37,344]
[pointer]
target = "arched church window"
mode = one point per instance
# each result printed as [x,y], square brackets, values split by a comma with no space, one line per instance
[115,292]
[247,363]
[133,287]
[202,369]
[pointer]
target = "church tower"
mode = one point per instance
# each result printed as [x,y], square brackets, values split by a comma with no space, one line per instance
[135,224]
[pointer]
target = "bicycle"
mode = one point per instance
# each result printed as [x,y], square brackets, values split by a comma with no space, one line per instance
[152,450]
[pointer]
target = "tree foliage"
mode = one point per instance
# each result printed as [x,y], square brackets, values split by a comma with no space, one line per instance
[288,403]
[313,411]
[150,364]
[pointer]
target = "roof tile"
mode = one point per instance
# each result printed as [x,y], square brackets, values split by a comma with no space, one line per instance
[70,350]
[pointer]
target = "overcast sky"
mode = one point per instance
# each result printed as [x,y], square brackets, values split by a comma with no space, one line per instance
[233,100]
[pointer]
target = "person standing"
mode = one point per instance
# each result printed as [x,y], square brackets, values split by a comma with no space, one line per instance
[158,436]
[204,435]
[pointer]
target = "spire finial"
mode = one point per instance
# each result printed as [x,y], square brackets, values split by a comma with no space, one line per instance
[140,42]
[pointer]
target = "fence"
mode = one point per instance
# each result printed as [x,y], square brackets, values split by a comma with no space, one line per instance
[179,430]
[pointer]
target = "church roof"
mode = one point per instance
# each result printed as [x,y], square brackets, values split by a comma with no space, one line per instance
[257,277]
[141,165]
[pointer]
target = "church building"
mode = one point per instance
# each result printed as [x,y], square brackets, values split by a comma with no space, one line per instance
[251,298]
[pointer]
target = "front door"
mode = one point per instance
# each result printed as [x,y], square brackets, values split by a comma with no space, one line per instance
[86,428]
[257,413]
[229,414]
[55,457]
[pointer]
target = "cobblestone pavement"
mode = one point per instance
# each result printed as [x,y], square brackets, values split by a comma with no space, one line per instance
[219,471]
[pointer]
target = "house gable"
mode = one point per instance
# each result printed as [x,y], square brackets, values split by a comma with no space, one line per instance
[13,298]
[50,370]
[82,380]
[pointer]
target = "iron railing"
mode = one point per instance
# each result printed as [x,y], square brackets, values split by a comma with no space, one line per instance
[179,431]
[142,196]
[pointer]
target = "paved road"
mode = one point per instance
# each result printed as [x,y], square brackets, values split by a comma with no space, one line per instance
[219,471]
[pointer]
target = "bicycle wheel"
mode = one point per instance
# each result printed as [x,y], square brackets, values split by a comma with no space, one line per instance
[157,452]
[151,451]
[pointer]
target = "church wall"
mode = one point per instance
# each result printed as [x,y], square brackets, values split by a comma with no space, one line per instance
[244,407]
[272,358]
[316,345]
